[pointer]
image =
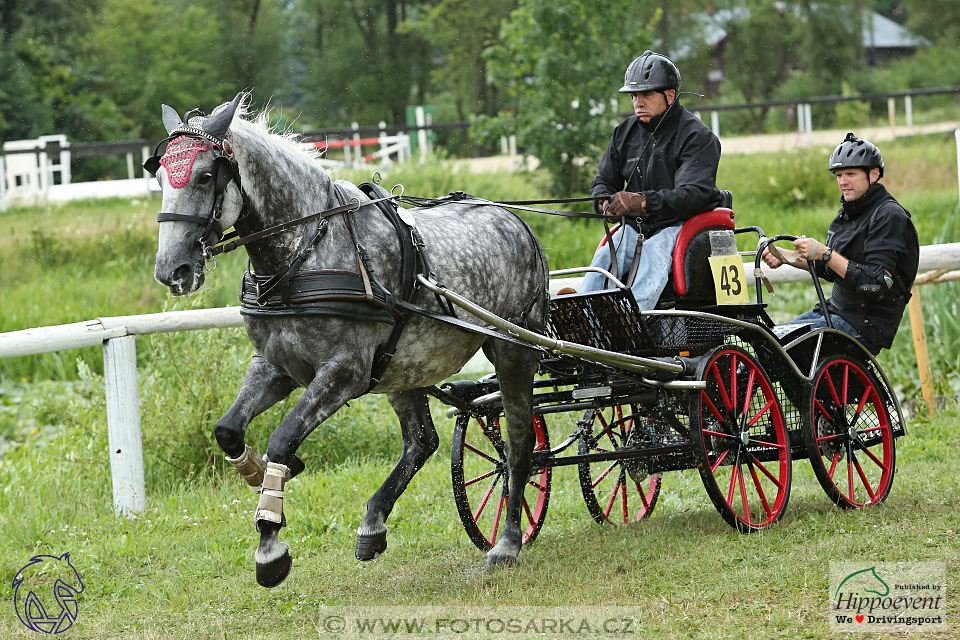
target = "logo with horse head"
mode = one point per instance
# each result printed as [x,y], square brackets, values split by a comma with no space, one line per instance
[45,593]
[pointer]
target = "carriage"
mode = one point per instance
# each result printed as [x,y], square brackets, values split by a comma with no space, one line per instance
[691,385]
[347,294]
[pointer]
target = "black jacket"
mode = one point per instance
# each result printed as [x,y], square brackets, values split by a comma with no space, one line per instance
[677,171]
[875,233]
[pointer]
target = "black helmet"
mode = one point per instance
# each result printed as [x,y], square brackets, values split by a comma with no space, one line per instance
[856,152]
[651,72]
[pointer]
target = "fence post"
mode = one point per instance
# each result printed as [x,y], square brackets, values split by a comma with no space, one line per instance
[123,424]
[920,348]
[908,109]
[715,123]
[3,180]
[421,120]
[956,135]
[892,115]
[808,123]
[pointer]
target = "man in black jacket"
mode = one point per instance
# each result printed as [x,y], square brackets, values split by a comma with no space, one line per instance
[871,252]
[659,169]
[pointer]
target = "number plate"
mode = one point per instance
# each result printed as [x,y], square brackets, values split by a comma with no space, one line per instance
[729,280]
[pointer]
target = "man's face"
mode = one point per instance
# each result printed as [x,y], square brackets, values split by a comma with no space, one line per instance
[650,104]
[854,182]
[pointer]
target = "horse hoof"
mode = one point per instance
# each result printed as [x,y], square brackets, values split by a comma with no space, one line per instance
[496,561]
[371,546]
[271,574]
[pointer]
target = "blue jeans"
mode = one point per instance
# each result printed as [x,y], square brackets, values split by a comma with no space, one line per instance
[816,321]
[656,258]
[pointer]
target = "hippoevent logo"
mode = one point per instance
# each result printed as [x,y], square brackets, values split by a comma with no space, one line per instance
[888,596]
[45,594]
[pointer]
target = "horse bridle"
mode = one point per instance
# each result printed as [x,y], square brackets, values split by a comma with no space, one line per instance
[227,171]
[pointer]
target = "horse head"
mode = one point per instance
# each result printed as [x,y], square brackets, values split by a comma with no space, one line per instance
[200,181]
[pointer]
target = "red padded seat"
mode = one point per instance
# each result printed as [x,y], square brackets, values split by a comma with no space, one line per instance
[719,218]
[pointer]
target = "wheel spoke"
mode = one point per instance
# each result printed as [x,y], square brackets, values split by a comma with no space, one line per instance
[743,495]
[711,406]
[467,445]
[723,390]
[604,474]
[770,445]
[830,437]
[767,473]
[526,510]
[846,382]
[643,494]
[626,512]
[819,407]
[719,460]
[718,434]
[536,485]
[756,483]
[613,497]
[833,465]
[872,457]
[733,476]
[765,408]
[467,483]
[850,470]
[832,389]
[863,479]
[486,496]
[496,519]
[748,395]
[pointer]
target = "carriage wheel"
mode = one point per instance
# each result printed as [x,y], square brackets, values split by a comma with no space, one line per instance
[739,438]
[621,491]
[478,468]
[848,434]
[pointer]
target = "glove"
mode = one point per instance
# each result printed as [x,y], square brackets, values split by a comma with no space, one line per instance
[625,202]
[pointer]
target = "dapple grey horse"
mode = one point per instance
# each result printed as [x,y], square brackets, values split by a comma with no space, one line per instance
[484,252]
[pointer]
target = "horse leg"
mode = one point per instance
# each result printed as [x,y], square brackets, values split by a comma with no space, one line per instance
[334,384]
[263,386]
[515,367]
[419,442]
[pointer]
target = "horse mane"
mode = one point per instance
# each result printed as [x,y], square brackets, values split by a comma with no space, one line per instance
[280,174]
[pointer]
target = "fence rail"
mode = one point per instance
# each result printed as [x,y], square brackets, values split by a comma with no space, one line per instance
[118,334]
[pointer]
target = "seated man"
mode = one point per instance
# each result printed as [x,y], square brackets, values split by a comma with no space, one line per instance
[659,170]
[871,252]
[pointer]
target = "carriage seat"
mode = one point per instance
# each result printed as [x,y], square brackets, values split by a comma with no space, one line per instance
[690,277]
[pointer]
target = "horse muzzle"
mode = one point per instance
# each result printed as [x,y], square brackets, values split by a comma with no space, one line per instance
[182,279]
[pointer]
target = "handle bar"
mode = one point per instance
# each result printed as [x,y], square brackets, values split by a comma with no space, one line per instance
[764,242]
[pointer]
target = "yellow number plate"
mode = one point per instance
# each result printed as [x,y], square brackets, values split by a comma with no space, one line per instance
[729,280]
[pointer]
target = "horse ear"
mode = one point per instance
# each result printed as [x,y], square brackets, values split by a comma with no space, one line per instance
[218,122]
[171,119]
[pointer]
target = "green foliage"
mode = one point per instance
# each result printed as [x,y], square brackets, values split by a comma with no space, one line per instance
[560,65]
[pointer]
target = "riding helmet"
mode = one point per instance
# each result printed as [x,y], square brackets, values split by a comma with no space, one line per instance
[651,71]
[855,152]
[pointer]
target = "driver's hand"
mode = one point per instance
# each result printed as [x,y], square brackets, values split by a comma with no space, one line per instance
[624,202]
[808,248]
[772,261]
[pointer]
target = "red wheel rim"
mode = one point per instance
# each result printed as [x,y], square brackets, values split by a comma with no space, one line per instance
[621,499]
[753,477]
[852,432]
[484,476]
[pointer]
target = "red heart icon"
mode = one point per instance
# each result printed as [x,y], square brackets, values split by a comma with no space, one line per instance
[859,618]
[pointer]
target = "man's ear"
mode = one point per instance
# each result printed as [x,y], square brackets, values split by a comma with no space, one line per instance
[671,95]
[874,175]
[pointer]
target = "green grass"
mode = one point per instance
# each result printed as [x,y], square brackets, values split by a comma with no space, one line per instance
[183,568]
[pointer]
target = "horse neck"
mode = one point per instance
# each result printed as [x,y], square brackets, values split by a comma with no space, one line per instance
[281,184]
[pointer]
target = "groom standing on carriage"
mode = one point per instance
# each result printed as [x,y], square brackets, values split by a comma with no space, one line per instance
[659,170]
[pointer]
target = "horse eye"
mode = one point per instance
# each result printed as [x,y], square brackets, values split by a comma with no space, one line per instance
[205,178]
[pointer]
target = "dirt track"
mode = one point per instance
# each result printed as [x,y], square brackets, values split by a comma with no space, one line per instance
[742,144]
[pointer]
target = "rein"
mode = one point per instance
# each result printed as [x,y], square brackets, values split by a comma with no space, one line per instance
[460,196]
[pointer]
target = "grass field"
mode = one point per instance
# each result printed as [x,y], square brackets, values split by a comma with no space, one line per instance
[184,568]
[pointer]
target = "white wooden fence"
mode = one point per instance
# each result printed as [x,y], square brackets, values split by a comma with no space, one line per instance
[118,334]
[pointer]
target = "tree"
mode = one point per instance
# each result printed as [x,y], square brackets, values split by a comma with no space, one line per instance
[560,62]
[758,51]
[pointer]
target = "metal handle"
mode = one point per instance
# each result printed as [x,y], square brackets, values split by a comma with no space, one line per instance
[810,267]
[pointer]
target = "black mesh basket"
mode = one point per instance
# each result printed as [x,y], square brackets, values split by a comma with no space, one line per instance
[672,334]
[608,320]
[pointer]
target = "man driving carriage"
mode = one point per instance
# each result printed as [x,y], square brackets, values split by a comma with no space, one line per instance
[659,170]
[871,251]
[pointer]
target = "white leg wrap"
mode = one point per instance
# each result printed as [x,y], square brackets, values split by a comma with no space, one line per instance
[270,506]
[250,466]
